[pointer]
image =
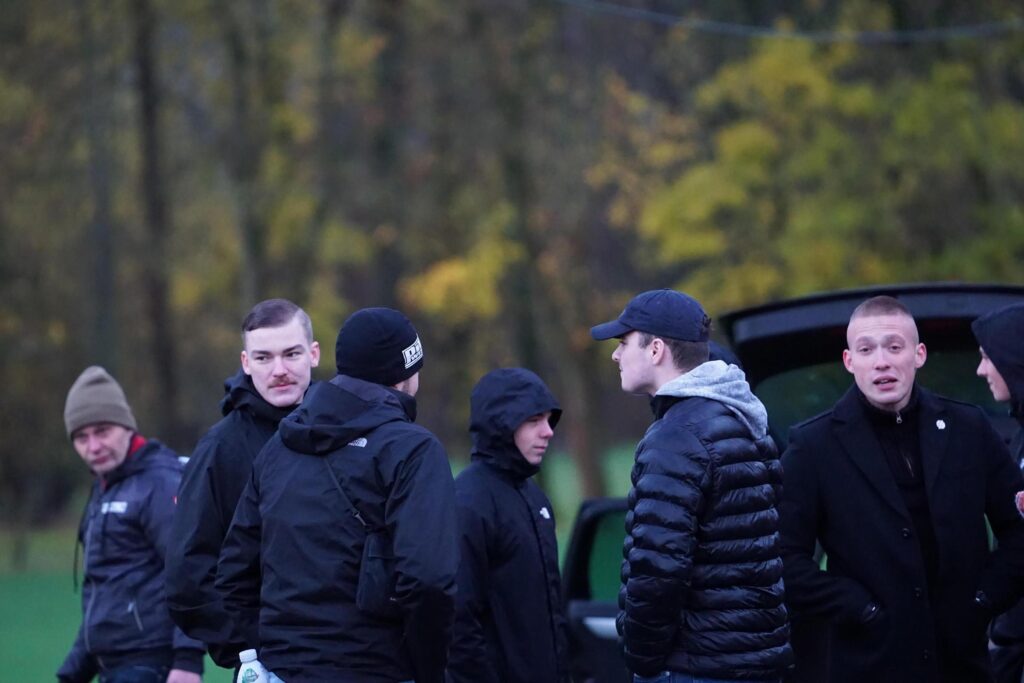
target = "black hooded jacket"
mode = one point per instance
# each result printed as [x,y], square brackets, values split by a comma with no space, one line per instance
[289,565]
[510,626]
[1001,335]
[214,478]
[125,533]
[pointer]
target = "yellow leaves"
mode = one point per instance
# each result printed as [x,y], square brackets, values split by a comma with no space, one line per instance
[463,289]
[781,76]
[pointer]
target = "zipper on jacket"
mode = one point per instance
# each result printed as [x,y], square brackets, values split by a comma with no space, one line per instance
[899,418]
[134,608]
[88,582]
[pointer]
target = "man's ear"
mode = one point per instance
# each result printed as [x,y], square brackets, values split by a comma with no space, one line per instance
[245,363]
[658,350]
[314,353]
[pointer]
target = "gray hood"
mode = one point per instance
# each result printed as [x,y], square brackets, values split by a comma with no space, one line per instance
[726,384]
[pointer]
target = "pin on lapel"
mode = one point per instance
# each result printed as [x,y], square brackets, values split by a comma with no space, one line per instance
[941,424]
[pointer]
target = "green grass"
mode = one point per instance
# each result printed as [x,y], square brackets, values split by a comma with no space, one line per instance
[40,611]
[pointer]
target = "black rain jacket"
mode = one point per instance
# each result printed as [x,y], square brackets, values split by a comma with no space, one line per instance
[510,625]
[289,565]
[213,482]
[1001,335]
[702,582]
[125,532]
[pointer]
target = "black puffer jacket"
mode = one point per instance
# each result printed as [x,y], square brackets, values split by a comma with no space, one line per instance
[509,626]
[125,532]
[210,488]
[702,578]
[290,562]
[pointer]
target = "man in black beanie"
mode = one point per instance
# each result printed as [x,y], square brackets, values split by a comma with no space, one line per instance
[126,633]
[349,466]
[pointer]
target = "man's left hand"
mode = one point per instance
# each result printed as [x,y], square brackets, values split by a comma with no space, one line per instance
[180,676]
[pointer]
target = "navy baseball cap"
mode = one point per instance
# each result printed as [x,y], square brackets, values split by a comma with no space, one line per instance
[661,312]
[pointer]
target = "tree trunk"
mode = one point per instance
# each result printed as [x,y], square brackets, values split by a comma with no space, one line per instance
[98,120]
[158,222]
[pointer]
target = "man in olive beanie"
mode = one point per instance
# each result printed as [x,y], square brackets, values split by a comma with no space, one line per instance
[350,460]
[126,629]
[96,397]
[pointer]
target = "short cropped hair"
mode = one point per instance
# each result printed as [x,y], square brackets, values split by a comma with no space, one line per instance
[880,305]
[276,313]
[686,355]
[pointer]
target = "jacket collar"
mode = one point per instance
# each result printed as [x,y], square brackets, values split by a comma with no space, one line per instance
[861,445]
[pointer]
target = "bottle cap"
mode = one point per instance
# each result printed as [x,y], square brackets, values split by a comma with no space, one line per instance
[247,656]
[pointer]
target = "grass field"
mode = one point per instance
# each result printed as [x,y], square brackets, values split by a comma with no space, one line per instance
[40,610]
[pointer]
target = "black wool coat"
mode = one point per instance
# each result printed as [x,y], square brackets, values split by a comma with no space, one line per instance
[839,490]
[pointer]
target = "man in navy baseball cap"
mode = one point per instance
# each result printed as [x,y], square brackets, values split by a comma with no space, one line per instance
[689,609]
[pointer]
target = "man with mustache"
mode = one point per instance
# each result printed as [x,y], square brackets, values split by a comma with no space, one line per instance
[896,484]
[126,635]
[278,356]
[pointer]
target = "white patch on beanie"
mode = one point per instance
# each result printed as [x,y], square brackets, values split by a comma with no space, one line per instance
[413,353]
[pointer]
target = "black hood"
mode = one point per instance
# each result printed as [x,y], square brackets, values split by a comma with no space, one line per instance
[333,414]
[1000,333]
[240,394]
[501,401]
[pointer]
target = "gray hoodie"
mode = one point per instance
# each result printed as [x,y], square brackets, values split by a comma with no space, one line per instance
[726,384]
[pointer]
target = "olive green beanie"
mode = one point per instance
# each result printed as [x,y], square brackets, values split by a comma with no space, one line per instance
[96,397]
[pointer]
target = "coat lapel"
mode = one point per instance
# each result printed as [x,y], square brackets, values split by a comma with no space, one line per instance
[934,442]
[855,435]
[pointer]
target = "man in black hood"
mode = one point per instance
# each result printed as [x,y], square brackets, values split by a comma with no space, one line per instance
[509,625]
[999,335]
[278,356]
[349,464]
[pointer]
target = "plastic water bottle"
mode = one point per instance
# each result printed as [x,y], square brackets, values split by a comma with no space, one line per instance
[251,669]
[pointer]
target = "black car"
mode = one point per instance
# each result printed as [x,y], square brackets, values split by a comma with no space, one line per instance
[790,351]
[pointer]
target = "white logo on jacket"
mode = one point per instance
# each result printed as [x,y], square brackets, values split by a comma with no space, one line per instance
[358,443]
[544,513]
[114,507]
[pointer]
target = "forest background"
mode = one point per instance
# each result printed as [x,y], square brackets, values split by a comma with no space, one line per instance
[506,172]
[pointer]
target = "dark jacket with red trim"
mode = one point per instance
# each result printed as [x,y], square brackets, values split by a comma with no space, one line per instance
[125,532]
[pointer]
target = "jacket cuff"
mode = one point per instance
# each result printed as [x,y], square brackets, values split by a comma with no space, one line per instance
[188,660]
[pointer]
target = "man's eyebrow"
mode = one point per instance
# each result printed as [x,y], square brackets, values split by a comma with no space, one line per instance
[290,348]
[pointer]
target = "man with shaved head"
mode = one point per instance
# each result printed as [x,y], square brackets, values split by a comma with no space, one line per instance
[896,483]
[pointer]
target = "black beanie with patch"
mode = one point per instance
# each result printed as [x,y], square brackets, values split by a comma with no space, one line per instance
[378,345]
